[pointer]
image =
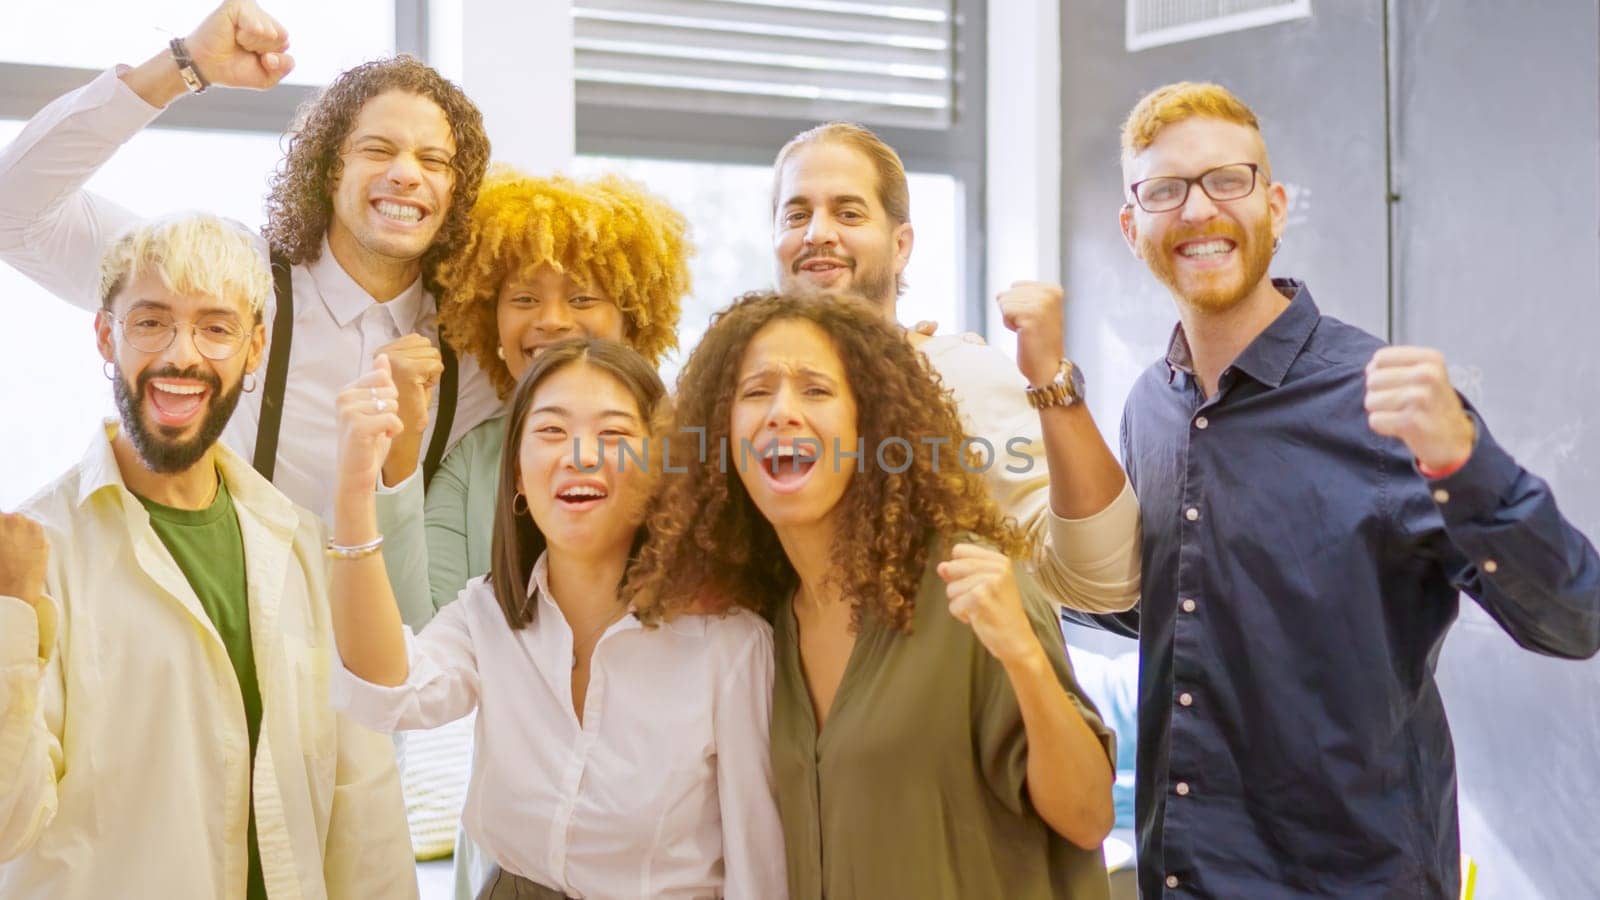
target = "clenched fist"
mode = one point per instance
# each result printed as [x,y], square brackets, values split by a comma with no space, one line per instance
[983,595]
[23,555]
[368,424]
[415,364]
[1409,397]
[1033,310]
[239,45]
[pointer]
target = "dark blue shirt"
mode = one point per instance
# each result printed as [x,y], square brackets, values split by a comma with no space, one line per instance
[1299,577]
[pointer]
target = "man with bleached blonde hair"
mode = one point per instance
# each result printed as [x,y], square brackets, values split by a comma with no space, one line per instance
[165,639]
[1314,503]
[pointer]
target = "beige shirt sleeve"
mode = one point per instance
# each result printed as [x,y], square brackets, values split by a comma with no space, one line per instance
[1088,564]
[30,723]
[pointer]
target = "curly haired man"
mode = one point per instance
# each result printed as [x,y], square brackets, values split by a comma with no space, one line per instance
[373,193]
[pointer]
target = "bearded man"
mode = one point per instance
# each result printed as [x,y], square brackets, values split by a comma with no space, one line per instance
[165,639]
[1313,504]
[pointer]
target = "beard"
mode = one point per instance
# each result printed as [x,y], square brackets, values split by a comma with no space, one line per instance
[160,452]
[872,283]
[1221,290]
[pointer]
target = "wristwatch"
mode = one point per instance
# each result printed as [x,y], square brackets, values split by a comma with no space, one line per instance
[192,79]
[1065,390]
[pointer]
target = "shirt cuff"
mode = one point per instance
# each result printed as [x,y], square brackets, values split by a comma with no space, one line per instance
[405,483]
[376,706]
[1098,538]
[127,110]
[1476,489]
[27,632]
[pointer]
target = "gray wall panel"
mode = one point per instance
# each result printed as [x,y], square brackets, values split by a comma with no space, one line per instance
[1318,87]
[1497,263]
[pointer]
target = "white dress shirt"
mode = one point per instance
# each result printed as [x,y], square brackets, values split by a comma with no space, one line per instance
[664,790]
[1090,564]
[124,752]
[54,231]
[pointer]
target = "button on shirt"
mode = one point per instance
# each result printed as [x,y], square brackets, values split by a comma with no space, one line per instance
[1299,578]
[664,790]
[54,232]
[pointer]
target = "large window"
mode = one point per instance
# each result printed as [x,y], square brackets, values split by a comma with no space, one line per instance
[720,85]
[95,34]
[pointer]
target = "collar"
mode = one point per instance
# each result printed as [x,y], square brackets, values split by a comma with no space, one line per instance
[346,300]
[1267,359]
[247,488]
[540,581]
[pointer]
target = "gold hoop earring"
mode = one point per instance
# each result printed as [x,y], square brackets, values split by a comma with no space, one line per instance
[518,498]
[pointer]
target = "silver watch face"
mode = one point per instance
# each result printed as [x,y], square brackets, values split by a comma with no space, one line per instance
[1075,381]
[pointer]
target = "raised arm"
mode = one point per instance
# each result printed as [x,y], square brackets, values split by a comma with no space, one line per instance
[1051,472]
[366,620]
[1069,767]
[1493,525]
[54,231]
[30,695]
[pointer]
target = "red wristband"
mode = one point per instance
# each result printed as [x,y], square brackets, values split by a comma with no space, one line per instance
[1446,472]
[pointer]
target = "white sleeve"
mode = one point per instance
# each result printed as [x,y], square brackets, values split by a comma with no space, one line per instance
[441,686]
[752,834]
[31,760]
[51,229]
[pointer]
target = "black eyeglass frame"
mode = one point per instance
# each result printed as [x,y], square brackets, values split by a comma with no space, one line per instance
[1189,183]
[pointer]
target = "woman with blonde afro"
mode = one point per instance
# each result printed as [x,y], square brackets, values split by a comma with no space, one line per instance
[545,259]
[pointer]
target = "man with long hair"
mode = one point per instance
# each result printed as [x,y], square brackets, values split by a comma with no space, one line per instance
[842,225]
[1314,503]
[381,171]
[165,635]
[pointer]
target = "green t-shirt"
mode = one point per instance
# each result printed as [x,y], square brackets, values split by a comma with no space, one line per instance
[209,550]
[915,789]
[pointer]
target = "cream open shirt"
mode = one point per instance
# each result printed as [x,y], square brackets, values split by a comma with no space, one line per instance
[664,790]
[124,754]
[54,231]
[1088,564]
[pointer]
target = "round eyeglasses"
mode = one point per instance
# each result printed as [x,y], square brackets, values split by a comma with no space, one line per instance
[217,336]
[1168,192]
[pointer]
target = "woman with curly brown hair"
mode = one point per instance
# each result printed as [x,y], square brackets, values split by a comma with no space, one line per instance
[928,738]
[543,260]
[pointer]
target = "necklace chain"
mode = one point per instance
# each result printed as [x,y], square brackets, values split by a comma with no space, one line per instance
[592,635]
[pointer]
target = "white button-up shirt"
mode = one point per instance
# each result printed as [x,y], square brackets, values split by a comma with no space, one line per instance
[54,231]
[125,764]
[664,790]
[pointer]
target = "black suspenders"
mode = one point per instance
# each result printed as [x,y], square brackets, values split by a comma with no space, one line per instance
[266,457]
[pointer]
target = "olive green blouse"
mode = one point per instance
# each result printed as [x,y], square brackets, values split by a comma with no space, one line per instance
[916,786]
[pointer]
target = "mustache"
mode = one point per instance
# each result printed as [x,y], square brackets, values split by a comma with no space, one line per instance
[193,373]
[1221,229]
[819,253]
